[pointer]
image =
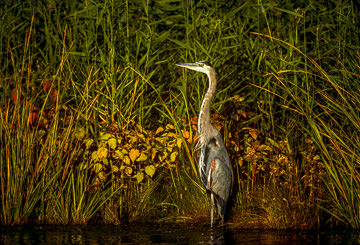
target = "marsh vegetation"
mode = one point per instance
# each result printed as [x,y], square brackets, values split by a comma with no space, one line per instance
[97,125]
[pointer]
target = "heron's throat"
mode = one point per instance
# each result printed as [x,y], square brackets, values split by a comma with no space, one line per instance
[204,117]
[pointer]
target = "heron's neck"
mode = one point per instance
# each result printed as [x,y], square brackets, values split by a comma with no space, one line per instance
[204,117]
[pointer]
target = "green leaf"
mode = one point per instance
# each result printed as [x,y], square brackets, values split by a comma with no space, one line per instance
[181,44]
[289,12]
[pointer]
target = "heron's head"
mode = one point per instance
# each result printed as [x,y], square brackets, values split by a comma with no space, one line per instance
[200,66]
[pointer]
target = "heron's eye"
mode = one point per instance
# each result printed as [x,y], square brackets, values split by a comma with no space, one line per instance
[201,64]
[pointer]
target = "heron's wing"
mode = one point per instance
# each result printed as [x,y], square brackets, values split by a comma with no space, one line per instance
[208,153]
[221,179]
[204,166]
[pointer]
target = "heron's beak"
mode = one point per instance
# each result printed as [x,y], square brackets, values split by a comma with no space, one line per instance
[188,65]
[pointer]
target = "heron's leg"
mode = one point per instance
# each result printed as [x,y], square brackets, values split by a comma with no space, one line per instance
[212,209]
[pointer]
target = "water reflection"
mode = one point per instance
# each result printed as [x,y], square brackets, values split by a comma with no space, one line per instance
[134,234]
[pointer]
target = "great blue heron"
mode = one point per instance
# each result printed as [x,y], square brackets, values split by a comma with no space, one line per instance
[215,169]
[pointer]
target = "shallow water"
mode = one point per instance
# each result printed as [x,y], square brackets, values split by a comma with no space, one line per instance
[134,234]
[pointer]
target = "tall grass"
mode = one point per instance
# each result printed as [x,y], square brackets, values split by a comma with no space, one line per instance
[321,99]
[286,104]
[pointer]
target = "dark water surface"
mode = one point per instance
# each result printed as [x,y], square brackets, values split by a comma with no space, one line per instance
[145,234]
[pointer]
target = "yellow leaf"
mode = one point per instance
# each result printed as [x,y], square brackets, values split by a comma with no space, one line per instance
[98,167]
[142,157]
[80,133]
[115,169]
[264,148]
[272,142]
[132,139]
[112,143]
[179,142]
[94,156]
[128,171]
[141,136]
[173,156]
[102,175]
[169,126]
[126,160]
[139,177]
[134,153]
[316,158]
[139,127]
[254,133]
[153,153]
[102,153]
[159,130]
[88,143]
[308,141]
[104,136]
[171,135]
[150,170]
[237,98]
[162,158]
[160,140]
[186,134]
[118,155]
[240,162]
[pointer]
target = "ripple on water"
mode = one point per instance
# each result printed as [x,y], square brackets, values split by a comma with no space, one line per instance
[134,234]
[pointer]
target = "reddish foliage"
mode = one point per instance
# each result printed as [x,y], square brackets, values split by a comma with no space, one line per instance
[32,117]
[47,84]
[13,95]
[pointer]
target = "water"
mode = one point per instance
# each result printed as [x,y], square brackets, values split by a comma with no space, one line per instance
[145,234]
